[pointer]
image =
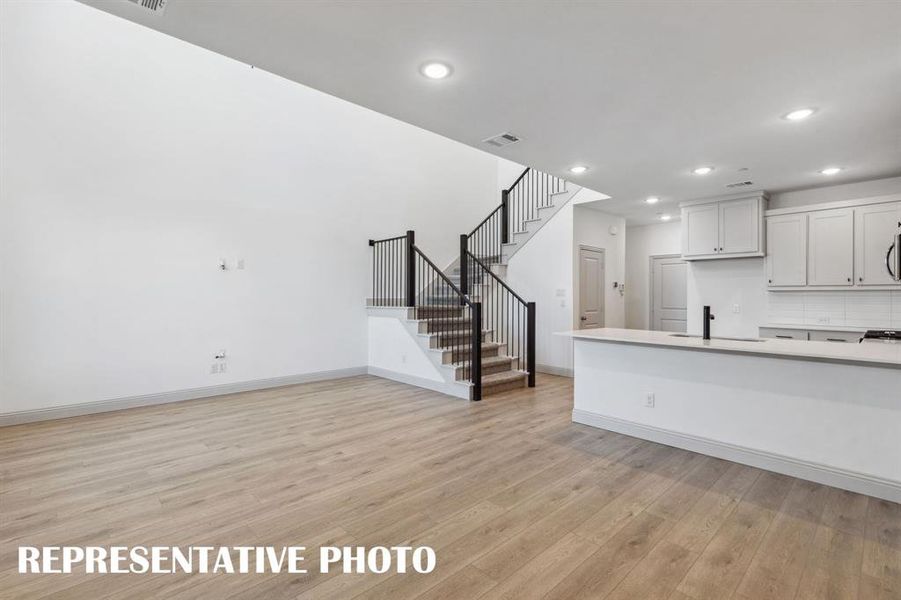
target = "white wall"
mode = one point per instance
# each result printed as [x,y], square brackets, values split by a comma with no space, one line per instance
[392,346]
[542,272]
[546,270]
[835,193]
[722,284]
[643,242]
[591,227]
[727,285]
[131,162]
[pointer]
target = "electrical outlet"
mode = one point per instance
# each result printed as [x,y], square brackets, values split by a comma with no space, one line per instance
[214,368]
[240,264]
[223,367]
[650,400]
[736,308]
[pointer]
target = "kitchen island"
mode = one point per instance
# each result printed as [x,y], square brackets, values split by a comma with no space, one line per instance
[823,411]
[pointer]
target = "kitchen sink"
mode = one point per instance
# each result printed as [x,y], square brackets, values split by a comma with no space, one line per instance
[733,339]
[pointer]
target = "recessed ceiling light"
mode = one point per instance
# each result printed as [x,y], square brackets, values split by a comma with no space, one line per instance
[578,169]
[702,170]
[830,170]
[665,217]
[435,70]
[799,114]
[652,200]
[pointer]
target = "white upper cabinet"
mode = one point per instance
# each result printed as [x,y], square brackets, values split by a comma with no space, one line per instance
[739,226]
[786,250]
[874,230]
[830,249]
[728,228]
[836,245]
[700,230]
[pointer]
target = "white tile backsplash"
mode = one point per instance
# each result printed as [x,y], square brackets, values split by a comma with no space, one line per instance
[824,308]
[864,309]
[787,309]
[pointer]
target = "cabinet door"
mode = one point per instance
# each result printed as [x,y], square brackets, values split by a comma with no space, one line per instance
[830,248]
[847,337]
[875,227]
[739,226]
[786,250]
[784,334]
[700,230]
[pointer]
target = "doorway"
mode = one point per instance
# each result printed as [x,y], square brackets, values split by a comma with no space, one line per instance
[591,287]
[668,294]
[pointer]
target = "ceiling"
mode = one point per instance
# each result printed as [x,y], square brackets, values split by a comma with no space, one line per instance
[640,92]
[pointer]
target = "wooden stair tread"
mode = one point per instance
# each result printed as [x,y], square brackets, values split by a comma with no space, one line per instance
[504,377]
[496,360]
[485,346]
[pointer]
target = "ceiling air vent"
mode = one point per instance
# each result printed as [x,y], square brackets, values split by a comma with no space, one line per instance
[501,140]
[739,184]
[154,6]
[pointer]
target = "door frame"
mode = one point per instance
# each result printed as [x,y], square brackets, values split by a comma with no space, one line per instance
[578,303]
[651,285]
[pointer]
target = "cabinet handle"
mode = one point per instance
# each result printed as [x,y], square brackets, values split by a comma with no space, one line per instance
[785,337]
[771,281]
[835,340]
[721,249]
[849,280]
[860,279]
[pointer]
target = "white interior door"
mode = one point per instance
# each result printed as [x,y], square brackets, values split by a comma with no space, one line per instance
[591,288]
[669,294]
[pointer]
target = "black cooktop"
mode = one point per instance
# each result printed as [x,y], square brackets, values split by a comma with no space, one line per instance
[882,334]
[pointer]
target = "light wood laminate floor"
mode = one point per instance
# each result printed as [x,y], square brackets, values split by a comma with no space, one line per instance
[517,501]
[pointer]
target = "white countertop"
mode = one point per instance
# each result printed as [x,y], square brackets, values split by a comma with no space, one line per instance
[884,354]
[819,327]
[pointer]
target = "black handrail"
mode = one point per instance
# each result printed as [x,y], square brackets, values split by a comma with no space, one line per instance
[498,279]
[447,307]
[520,202]
[510,317]
[518,179]
[391,239]
[463,297]
[485,220]
[403,276]
[391,268]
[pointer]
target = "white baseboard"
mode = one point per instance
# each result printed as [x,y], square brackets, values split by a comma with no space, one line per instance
[861,483]
[457,390]
[552,370]
[87,408]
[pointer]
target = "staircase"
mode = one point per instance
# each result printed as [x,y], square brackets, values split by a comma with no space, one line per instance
[476,332]
[449,333]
